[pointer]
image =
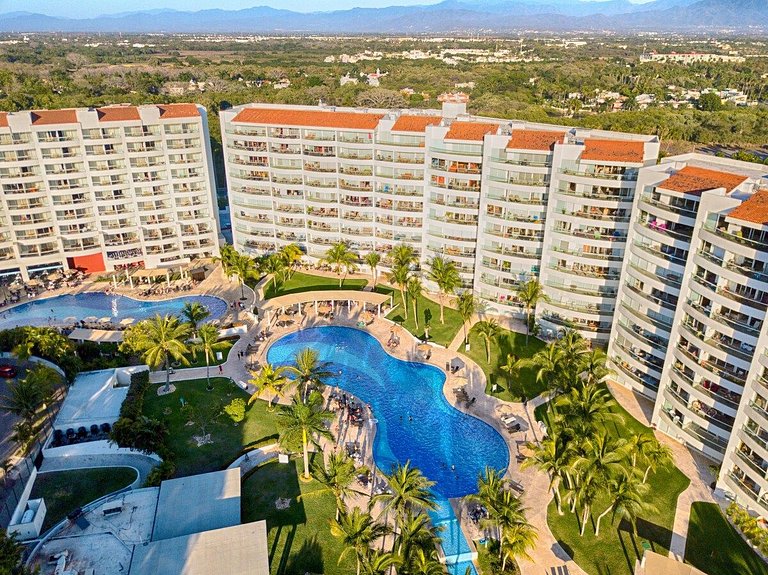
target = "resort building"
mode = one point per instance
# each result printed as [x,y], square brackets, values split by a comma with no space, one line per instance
[691,310]
[106,188]
[477,191]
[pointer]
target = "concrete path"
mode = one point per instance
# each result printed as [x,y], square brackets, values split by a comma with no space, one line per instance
[141,463]
[693,466]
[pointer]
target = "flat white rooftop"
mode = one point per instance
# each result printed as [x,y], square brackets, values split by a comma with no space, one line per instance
[197,503]
[236,550]
[92,398]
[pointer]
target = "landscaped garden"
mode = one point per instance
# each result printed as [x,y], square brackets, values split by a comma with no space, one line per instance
[714,546]
[65,491]
[510,386]
[613,465]
[428,314]
[299,538]
[227,438]
[299,282]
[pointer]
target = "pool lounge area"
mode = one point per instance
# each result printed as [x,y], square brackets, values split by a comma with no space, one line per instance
[414,420]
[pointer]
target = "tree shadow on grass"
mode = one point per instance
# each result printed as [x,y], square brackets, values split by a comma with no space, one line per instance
[307,559]
[631,541]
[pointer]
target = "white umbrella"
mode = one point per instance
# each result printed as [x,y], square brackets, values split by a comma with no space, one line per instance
[90,319]
[70,319]
[105,319]
[127,321]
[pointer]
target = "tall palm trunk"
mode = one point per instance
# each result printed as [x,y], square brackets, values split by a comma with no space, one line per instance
[599,517]
[167,375]
[415,313]
[209,387]
[306,453]
[527,323]
[584,517]
[405,304]
[442,306]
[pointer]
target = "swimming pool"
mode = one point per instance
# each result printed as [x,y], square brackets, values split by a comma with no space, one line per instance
[415,421]
[98,304]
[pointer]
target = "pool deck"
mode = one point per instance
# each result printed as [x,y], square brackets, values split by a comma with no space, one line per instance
[548,553]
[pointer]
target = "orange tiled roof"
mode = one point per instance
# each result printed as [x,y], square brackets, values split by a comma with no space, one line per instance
[44,117]
[613,150]
[754,209]
[118,113]
[415,123]
[309,118]
[470,130]
[170,111]
[535,139]
[693,180]
[3,119]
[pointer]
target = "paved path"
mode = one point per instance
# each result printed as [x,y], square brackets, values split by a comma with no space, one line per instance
[142,463]
[693,466]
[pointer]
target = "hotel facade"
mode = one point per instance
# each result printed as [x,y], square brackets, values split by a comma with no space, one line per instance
[106,188]
[506,201]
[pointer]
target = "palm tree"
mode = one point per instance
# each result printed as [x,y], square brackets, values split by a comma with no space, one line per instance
[399,276]
[603,460]
[425,563]
[244,268]
[584,407]
[357,530]
[593,366]
[24,399]
[639,445]
[490,487]
[466,305]
[627,498]
[518,539]
[341,258]
[553,456]
[208,342]
[549,366]
[303,422]
[379,563]
[372,259]
[487,330]
[402,255]
[158,340]
[409,491]
[659,456]
[414,532]
[309,370]
[194,312]
[574,350]
[414,289]
[270,379]
[227,256]
[445,274]
[530,293]
[291,255]
[337,476]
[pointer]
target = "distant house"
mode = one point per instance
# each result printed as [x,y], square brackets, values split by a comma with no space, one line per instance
[347,79]
[281,84]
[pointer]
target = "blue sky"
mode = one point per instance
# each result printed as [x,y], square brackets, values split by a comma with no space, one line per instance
[87,8]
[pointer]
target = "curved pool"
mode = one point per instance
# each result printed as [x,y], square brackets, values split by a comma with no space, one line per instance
[415,421]
[98,304]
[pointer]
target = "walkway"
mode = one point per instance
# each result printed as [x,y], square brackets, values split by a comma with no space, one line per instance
[142,463]
[693,466]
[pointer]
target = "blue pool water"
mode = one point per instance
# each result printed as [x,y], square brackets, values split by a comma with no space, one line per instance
[415,421]
[54,310]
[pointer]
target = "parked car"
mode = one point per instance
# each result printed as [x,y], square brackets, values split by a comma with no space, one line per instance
[7,371]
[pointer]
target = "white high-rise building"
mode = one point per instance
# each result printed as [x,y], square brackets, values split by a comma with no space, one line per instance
[506,201]
[105,188]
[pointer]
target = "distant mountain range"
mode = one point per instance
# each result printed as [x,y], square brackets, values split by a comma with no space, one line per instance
[450,16]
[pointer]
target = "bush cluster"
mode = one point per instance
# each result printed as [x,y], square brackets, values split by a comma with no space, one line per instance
[748,525]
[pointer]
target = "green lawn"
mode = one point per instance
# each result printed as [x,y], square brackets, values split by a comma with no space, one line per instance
[507,342]
[198,358]
[301,282]
[299,537]
[714,546]
[429,312]
[229,438]
[617,548]
[65,491]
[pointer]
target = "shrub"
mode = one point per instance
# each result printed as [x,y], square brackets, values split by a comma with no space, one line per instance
[236,410]
[159,473]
